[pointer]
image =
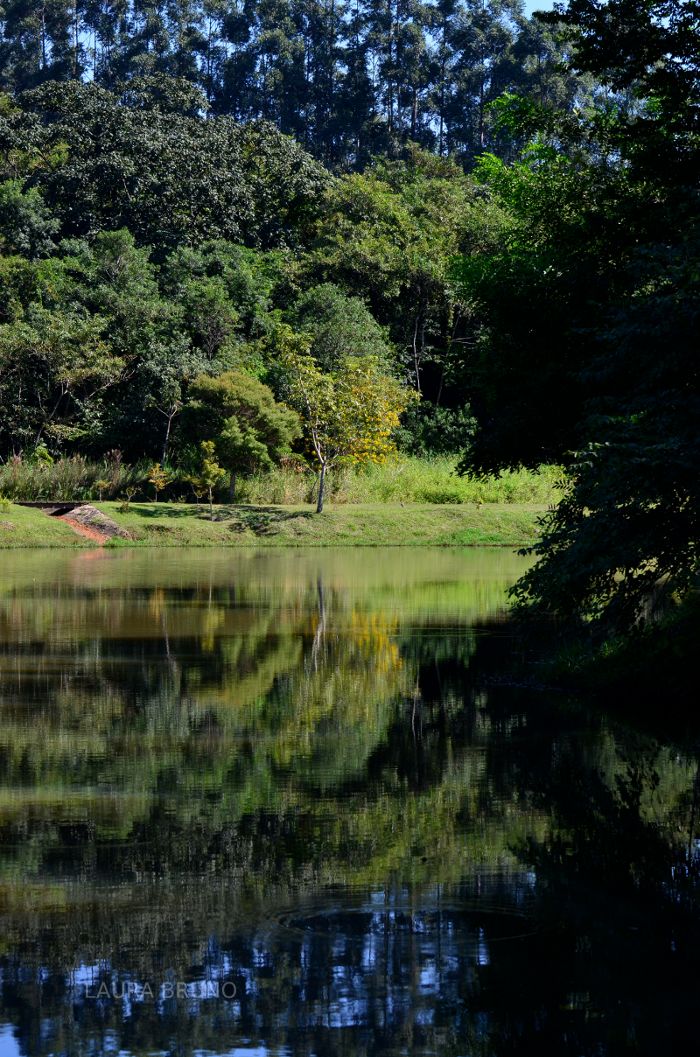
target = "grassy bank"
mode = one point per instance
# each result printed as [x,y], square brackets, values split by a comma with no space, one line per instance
[182,525]
[24,527]
[402,480]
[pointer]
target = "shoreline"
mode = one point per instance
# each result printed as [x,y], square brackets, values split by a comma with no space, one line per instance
[360,525]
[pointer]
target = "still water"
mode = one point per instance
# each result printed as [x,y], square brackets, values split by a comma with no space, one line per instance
[284,802]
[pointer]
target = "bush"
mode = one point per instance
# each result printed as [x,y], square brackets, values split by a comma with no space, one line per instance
[27,480]
[428,430]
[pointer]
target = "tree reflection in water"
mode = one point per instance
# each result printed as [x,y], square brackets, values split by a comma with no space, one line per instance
[298,773]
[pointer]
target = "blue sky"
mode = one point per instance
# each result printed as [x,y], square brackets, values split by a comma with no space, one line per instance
[538,5]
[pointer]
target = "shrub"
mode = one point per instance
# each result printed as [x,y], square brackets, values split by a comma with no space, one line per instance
[427,430]
[24,480]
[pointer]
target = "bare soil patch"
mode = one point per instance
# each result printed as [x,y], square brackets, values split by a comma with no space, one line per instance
[92,524]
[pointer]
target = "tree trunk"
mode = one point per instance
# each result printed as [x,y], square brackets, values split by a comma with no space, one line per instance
[321,485]
[211,504]
[166,441]
[76,39]
[416,360]
[482,115]
[232,487]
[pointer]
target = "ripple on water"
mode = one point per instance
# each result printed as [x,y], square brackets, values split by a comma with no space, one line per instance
[470,918]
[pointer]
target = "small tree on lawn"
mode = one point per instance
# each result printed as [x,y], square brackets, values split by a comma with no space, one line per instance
[251,431]
[129,494]
[199,489]
[349,414]
[210,473]
[159,478]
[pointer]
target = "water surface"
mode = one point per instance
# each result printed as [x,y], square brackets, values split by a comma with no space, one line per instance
[285,802]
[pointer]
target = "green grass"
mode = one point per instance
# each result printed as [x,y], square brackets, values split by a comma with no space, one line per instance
[367,525]
[25,527]
[361,525]
[403,480]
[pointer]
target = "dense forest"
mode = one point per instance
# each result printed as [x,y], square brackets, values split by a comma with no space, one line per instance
[235,235]
[348,80]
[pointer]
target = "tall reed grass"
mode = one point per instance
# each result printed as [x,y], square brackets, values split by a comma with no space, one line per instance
[408,479]
[405,480]
[22,480]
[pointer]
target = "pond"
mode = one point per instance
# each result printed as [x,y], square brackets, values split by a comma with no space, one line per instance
[287,802]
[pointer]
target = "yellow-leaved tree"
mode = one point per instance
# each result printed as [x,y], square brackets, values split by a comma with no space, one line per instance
[350,414]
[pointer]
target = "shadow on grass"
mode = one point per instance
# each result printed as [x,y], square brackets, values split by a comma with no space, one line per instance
[163,510]
[261,520]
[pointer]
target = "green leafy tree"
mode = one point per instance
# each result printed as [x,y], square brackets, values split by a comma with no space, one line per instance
[159,478]
[350,414]
[115,279]
[340,327]
[224,293]
[390,237]
[586,350]
[250,430]
[348,79]
[210,472]
[55,371]
[26,224]
[170,178]
[40,42]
